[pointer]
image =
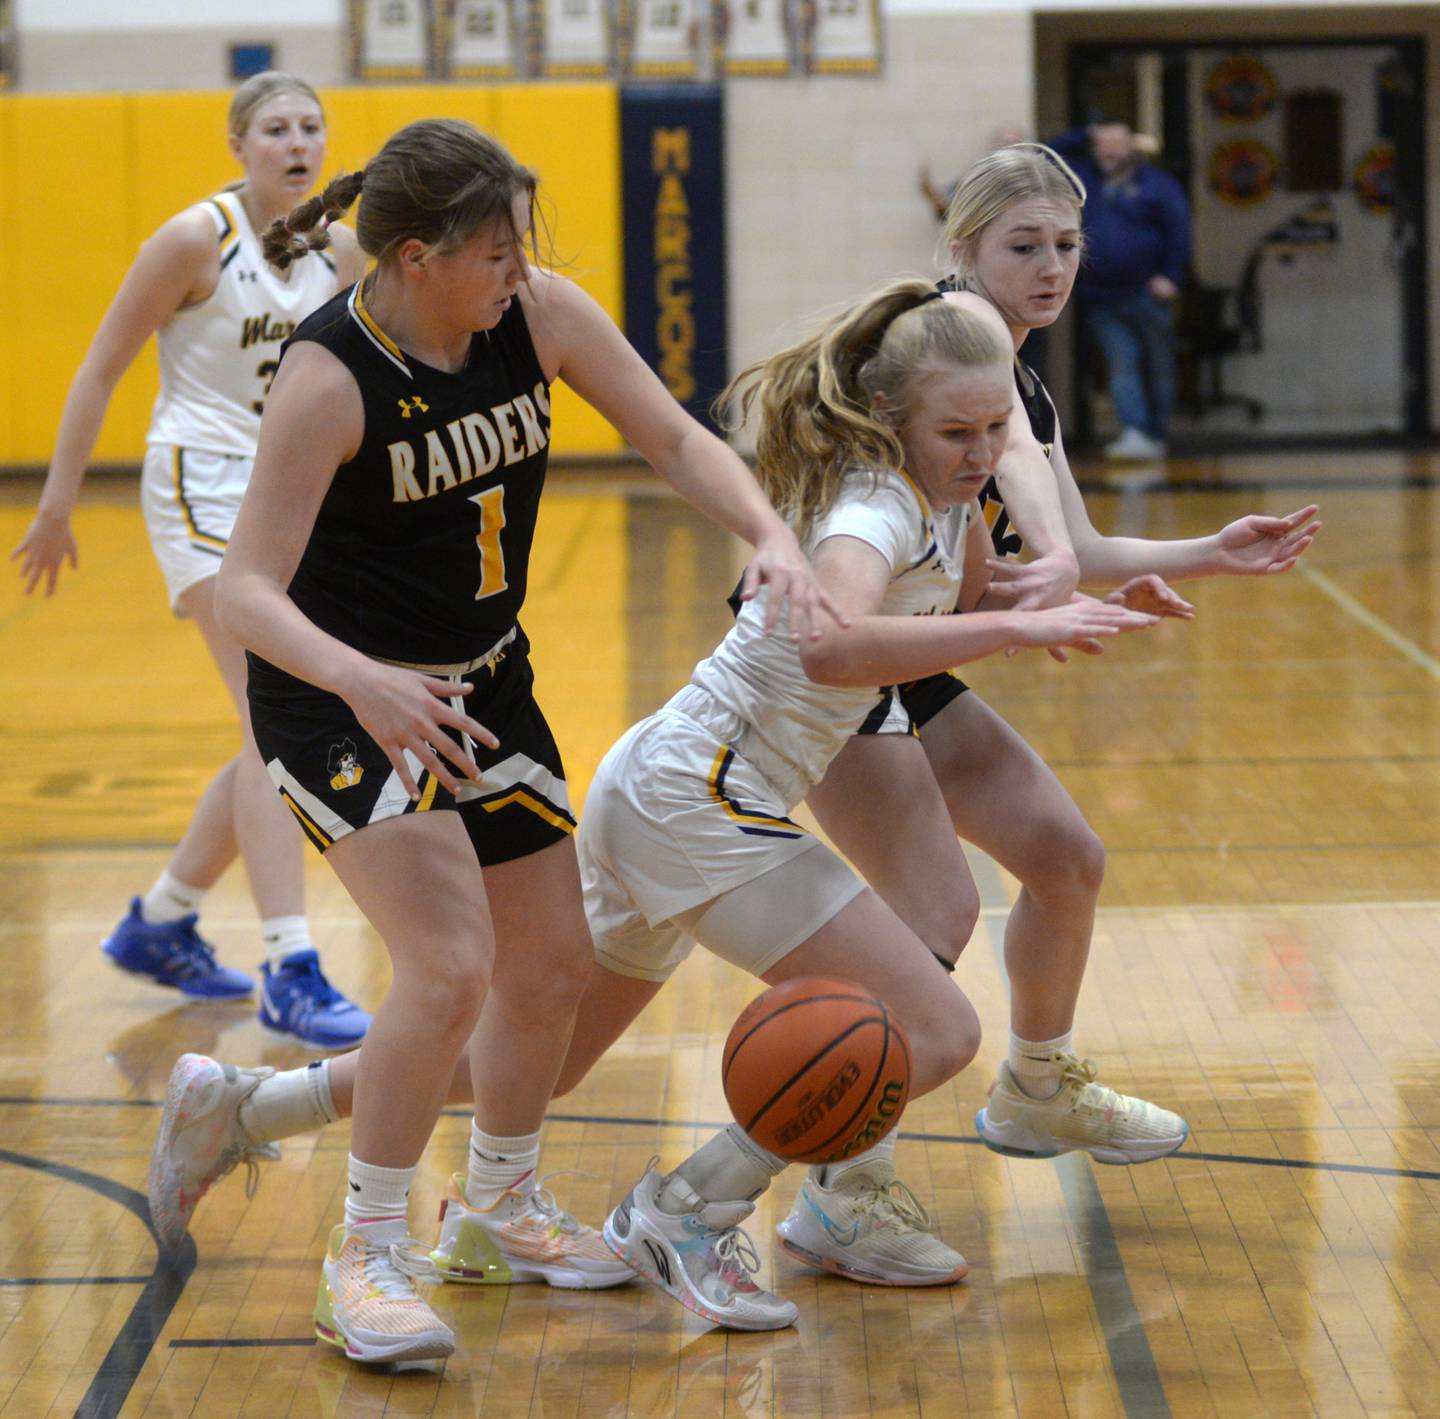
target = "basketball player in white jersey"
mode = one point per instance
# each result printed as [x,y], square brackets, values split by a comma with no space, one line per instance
[220,315]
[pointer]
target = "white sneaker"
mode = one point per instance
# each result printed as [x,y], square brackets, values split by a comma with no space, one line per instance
[524,1236]
[1134,447]
[367,1305]
[696,1251]
[869,1227]
[1083,1116]
[200,1140]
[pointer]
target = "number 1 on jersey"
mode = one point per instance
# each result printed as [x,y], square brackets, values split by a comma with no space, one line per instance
[492,555]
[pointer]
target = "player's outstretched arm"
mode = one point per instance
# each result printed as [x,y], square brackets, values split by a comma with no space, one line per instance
[175,267]
[578,342]
[887,650]
[1249,546]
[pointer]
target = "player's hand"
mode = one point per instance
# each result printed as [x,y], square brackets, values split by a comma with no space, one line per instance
[780,564]
[406,712]
[1153,596]
[48,543]
[1264,546]
[1030,586]
[1081,623]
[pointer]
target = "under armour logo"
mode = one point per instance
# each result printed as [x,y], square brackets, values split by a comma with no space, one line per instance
[247,275]
[408,406]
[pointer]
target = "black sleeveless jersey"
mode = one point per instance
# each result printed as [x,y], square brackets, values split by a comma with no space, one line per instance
[421,547]
[1041,413]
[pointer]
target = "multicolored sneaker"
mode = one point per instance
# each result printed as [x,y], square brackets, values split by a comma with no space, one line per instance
[1083,1116]
[868,1227]
[696,1251]
[367,1305]
[297,1000]
[200,1140]
[524,1236]
[173,953]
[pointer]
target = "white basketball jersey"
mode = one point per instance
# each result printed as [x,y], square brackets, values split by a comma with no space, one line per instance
[761,679]
[217,358]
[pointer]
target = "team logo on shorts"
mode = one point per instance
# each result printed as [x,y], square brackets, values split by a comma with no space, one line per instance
[344,766]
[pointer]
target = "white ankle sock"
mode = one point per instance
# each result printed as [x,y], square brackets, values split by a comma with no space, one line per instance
[284,936]
[828,1174]
[731,1167]
[295,1101]
[1034,1063]
[497,1164]
[170,899]
[376,1194]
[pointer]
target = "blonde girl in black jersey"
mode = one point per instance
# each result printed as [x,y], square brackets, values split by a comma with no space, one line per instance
[199,284]
[487,939]
[894,802]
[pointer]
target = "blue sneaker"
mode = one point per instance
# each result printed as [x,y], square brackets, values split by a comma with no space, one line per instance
[297,1000]
[173,953]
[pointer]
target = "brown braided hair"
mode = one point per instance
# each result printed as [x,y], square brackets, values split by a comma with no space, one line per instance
[287,239]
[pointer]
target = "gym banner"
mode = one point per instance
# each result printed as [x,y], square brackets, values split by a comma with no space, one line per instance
[672,142]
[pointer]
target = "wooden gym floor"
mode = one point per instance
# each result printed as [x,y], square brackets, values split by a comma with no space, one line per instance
[1267,960]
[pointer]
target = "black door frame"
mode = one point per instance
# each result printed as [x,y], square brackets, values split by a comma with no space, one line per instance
[1411,208]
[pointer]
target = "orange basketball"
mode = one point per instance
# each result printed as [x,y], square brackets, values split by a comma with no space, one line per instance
[816,1070]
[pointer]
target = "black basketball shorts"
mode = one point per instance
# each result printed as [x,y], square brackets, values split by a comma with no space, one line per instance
[335,779]
[905,709]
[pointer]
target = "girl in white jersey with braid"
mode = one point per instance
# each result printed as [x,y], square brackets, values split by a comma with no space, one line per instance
[220,314]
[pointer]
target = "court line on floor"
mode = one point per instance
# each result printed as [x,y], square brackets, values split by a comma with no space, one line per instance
[136,1338]
[1132,1362]
[73,1280]
[1367,618]
[968,1140]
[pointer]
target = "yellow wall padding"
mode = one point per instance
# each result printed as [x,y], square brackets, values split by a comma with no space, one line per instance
[84,179]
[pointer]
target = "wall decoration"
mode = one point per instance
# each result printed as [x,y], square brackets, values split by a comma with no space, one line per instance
[752,37]
[1241,89]
[575,38]
[1242,172]
[390,39]
[1374,180]
[479,39]
[665,38]
[843,36]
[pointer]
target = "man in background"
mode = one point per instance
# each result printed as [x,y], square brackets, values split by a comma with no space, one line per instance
[1137,248]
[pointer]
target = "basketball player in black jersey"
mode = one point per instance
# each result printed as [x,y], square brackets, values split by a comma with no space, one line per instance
[376,573]
[894,802]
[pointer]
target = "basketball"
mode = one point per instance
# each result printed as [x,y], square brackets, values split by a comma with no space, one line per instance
[815,1070]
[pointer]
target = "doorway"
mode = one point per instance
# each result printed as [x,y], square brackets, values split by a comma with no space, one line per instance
[1304,315]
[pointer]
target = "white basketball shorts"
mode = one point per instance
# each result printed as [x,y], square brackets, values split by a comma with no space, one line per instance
[190,500]
[681,837]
